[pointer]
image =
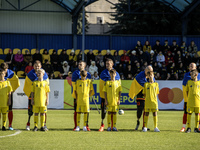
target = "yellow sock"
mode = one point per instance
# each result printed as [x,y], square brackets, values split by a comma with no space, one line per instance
[85,119]
[155,120]
[36,121]
[188,120]
[4,119]
[109,120]
[78,118]
[114,120]
[196,121]
[42,119]
[145,120]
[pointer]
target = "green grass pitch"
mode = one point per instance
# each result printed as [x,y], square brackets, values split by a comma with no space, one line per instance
[61,136]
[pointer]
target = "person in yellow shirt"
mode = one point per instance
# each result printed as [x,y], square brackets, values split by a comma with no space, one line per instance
[112,91]
[40,99]
[83,90]
[151,90]
[5,94]
[193,104]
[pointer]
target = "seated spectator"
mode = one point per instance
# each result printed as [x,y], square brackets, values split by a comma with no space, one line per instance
[157,47]
[72,58]
[172,73]
[138,47]
[90,57]
[108,55]
[143,57]
[147,47]
[10,59]
[144,66]
[79,57]
[125,59]
[174,48]
[152,57]
[54,60]
[18,60]
[178,58]
[101,67]
[120,69]
[98,58]
[192,49]
[96,76]
[155,67]
[129,77]
[37,56]
[157,76]
[74,67]
[134,58]
[65,70]
[166,47]
[28,68]
[116,59]
[169,59]
[181,71]
[122,76]
[184,49]
[27,58]
[137,69]
[63,57]
[48,68]
[187,59]
[69,77]
[93,68]
[163,72]
[46,57]
[160,59]
[127,71]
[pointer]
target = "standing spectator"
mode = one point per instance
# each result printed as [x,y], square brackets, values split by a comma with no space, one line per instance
[160,59]
[101,67]
[138,47]
[116,59]
[18,60]
[90,57]
[169,59]
[181,71]
[192,49]
[54,60]
[28,68]
[152,57]
[157,47]
[125,59]
[10,59]
[37,56]
[93,68]
[147,47]
[27,58]
[107,56]
[45,56]
[48,68]
[63,57]
[174,48]
[65,70]
[72,57]
[134,58]
[184,48]
[166,47]
[96,76]
[98,58]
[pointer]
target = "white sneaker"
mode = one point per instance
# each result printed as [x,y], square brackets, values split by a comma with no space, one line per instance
[77,128]
[45,127]
[84,128]
[28,128]
[144,129]
[156,129]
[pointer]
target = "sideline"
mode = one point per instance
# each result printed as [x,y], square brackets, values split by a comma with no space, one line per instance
[17,132]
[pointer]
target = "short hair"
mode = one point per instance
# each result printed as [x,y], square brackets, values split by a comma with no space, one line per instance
[195,71]
[83,73]
[2,71]
[81,61]
[108,59]
[4,66]
[150,72]
[41,70]
[37,62]
[112,71]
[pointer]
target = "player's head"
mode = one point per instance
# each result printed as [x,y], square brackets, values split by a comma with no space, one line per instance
[37,65]
[192,66]
[2,74]
[81,65]
[148,69]
[40,73]
[150,75]
[112,73]
[194,74]
[4,66]
[109,64]
[83,74]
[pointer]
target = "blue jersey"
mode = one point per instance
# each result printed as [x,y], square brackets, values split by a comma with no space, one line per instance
[33,76]
[188,77]
[76,75]
[141,78]
[9,74]
[105,75]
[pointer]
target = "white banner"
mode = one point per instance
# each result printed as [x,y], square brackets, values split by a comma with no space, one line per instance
[56,95]
[171,95]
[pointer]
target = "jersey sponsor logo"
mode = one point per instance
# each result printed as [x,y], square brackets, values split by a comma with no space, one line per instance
[190,85]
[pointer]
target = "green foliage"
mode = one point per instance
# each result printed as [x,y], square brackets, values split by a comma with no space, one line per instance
[79,24]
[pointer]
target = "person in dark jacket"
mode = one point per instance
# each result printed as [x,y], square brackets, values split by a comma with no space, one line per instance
[63,57]
[54,60]
[90,57]
[37,56]
[10,59]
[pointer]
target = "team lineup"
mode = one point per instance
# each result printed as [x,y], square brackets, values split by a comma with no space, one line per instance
[143,87]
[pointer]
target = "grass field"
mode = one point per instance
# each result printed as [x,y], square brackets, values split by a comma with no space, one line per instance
[61,136]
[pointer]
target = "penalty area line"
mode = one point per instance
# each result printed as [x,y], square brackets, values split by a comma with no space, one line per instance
[17,132]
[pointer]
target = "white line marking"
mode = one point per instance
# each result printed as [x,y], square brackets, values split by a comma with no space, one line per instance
[18,132]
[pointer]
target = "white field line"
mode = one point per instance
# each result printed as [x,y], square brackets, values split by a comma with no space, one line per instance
[17,132]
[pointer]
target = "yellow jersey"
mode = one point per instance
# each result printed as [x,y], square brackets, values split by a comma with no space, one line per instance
[112,88]
[40,89]
[151,90]
[83,88]
[193,90]
[5,89]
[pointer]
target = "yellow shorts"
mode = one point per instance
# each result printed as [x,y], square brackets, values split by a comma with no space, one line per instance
[39,109]
[193,109]
[3,110]
[83,108]
[112,108]
[151,109]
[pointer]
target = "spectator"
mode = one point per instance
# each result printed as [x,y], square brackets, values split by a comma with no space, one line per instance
[48,68]
[10,59]
[28,68]
[79,57]
[174,48]
[157,76]
[101,67]
[155,67]
[160,59]
[93,68]
[45,56]
[178,58]
[98,58]
[157,47]
[172,73]
[166,47]
[169,59]
[120,69]
[138,47]
[27,57]
[65,70]
[90,57]
[63,57]
[184,49]
[69,77]
[74,67]
[72,57]
[125,59]
[134,58]
[54,60]
[108,55]
[152,57]
[181,71]
[37,56]
[122,76]
[144,66]
[147,47]
[128,71]
[129,77]
[137,69]
[163,72]
[18,60]
[116,59]
[96,76]
[187,59]
[192,49]
[143,57]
